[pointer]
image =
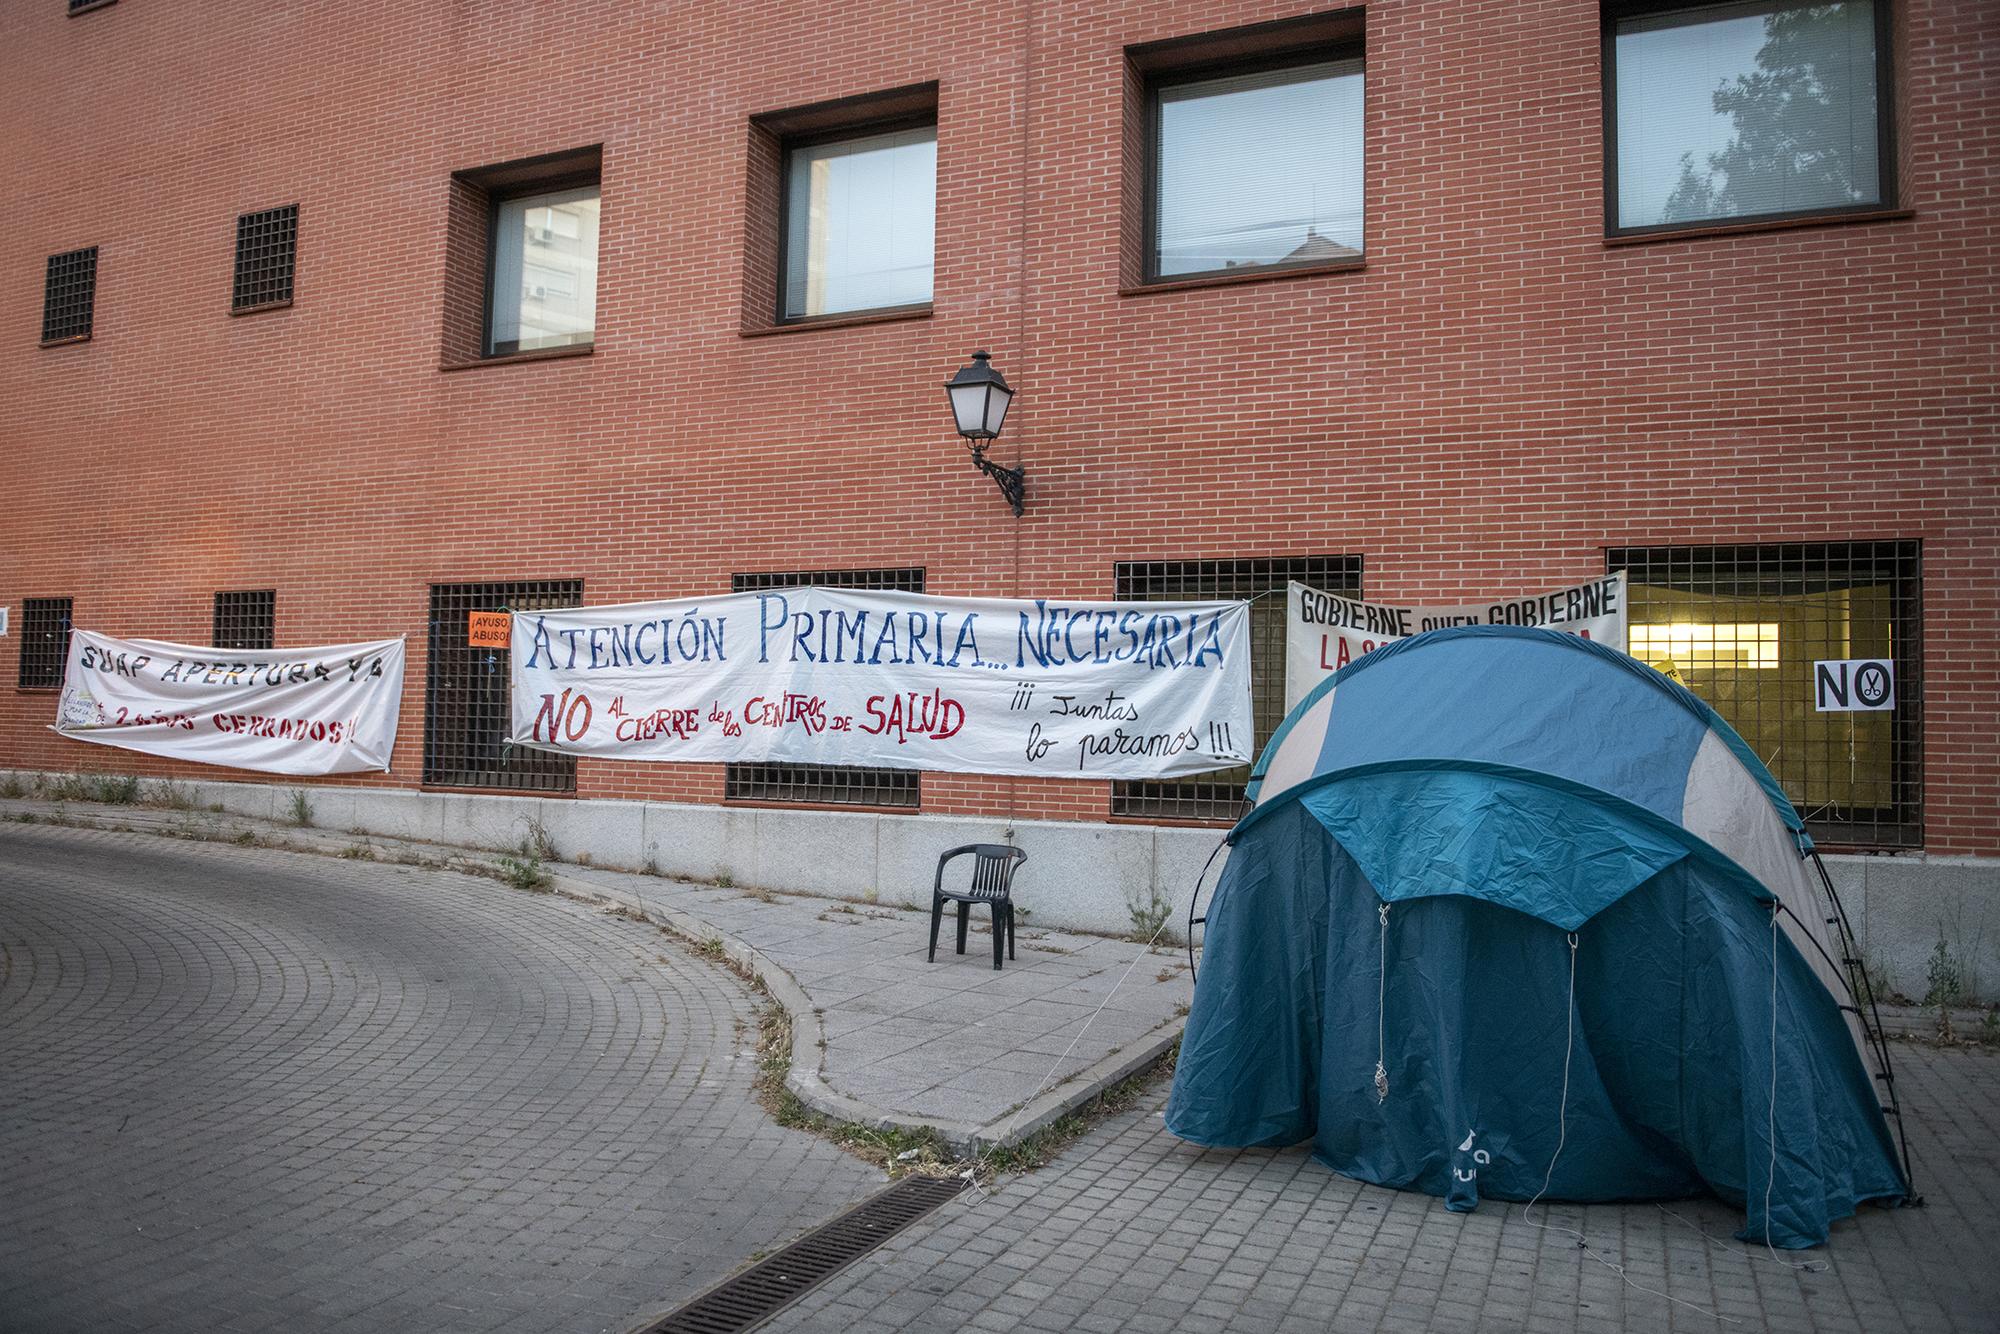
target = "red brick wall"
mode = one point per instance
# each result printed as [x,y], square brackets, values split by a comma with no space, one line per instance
[1496,398]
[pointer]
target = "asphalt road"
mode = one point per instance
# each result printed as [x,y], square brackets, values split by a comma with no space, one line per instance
[244,1089]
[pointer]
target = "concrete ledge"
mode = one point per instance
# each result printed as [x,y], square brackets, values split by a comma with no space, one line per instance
[1080,876]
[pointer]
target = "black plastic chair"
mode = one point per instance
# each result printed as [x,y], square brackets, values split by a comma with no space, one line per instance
[992,884]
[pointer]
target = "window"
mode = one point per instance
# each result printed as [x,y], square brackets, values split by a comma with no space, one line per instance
[842,210]
[266,254]
[45,626]
[521,258]
[544,291]
[860,223]
[466,701]
[69,297]
[1253,149]
[1220,795]
[246,619]
[827,784]
[1728,113]
[1742,626]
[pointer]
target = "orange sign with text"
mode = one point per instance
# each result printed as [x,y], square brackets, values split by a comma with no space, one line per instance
[490,629]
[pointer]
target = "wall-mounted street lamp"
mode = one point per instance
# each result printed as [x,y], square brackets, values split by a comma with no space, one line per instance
[979,397]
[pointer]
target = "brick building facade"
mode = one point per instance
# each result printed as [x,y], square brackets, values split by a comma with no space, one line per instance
[1499,395]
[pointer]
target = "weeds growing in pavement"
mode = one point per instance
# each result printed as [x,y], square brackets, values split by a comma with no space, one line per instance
[898,1152]
[106,789]
[170,795]
[1040,1148]
[1149,917]
[524,873]
[301,811]
[357,852]
[536,845]
[12,787]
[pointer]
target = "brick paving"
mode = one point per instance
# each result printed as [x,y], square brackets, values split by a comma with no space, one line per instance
[952,1043]
[1134,1230]
[247,1089]
[391,1098]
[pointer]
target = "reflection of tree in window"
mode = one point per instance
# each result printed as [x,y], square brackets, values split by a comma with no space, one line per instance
[1741,110]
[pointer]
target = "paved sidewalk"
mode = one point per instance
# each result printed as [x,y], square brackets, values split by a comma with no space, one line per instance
[981,1056]
[1134,1231]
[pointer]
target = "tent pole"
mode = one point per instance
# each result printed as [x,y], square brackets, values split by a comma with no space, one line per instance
[1871,1018]
[1194,901]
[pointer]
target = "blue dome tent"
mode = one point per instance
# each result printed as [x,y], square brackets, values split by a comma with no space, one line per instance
[1515,915]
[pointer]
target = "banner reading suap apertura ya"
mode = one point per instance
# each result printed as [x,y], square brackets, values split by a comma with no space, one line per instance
[1325,631]
[897,680]
[329,710]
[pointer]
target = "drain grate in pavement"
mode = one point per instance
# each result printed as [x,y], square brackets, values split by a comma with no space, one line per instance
[761,1290]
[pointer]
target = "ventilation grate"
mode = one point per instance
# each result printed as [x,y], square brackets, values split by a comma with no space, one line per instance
[267,245]
[467,703]
[69,296]
[768,1286]
[825,784]
[1221,795]
[246,619]
[45,626]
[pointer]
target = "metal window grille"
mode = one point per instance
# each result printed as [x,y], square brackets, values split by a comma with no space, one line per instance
[1220,795]
[466,705]
[246,619]
[826,784]
[1741,626]
[69,296]
[267,245]
[45,624]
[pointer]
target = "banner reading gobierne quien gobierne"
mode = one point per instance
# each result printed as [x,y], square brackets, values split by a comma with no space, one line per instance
[896,680]
[1325,631]
[329,710]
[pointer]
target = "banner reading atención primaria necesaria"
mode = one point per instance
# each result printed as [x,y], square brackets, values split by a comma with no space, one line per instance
[328,710]
[899,680]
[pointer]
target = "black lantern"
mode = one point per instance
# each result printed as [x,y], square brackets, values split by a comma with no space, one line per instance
[979,397]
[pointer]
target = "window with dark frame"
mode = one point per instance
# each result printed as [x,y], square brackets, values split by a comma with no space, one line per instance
[521,248]
[842,210]
[859,222]
[69,297]
[467,705]
[246,619]
[826,784]
[80,6]
[1220,795]
[267,244]
[45,626]
[1741,626]
[543,290]
[1722,114]
[1253,149]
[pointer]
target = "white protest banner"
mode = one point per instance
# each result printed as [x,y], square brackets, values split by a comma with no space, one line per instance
[1324,631]
[325,710]
[898,680]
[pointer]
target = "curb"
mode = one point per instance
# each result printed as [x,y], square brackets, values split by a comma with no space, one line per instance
[809,1040]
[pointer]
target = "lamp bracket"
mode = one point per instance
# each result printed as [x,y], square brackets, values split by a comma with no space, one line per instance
[1013,482]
